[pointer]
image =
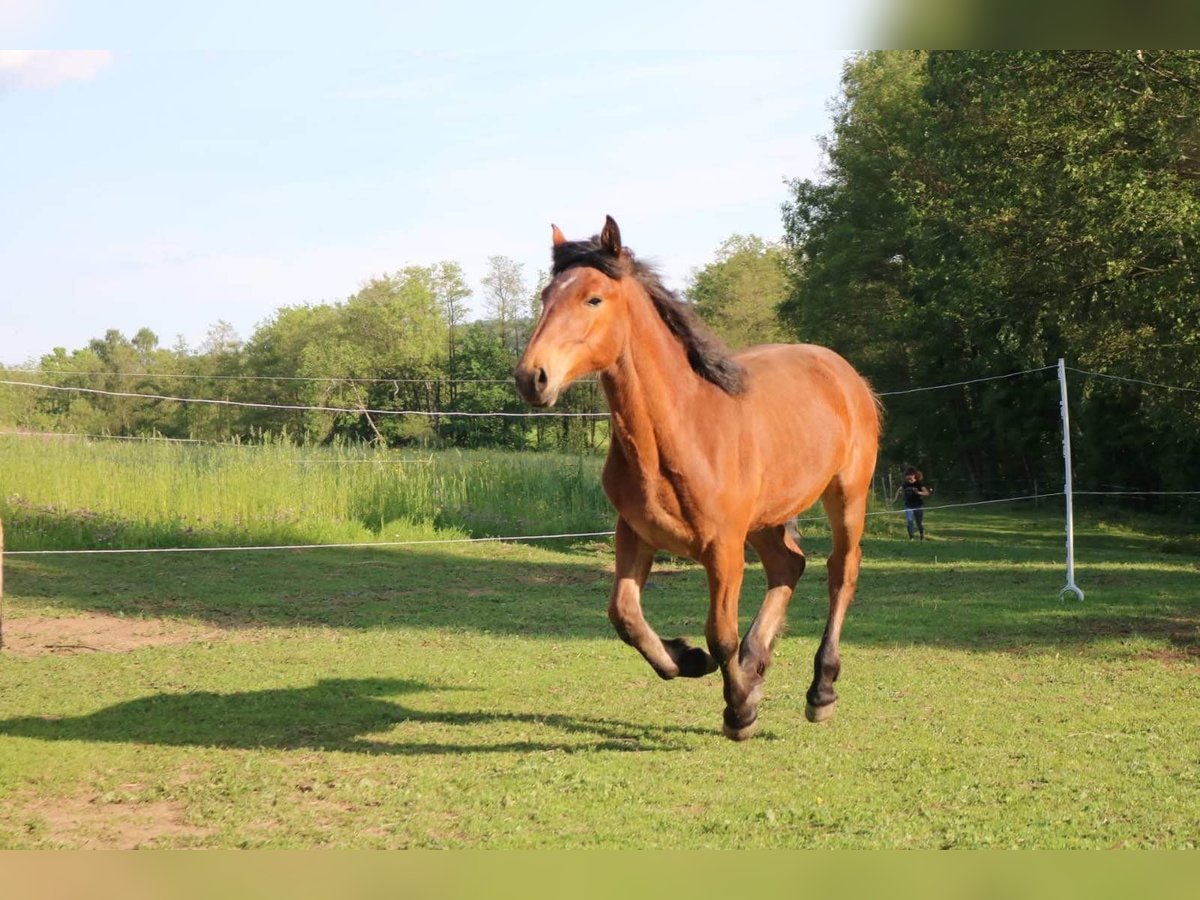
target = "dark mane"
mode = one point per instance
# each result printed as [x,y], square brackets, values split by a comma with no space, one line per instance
[708,357]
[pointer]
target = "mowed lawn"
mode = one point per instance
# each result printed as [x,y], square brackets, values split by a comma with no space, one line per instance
[473,695]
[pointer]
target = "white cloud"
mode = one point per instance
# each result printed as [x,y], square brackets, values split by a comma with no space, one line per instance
[40,69]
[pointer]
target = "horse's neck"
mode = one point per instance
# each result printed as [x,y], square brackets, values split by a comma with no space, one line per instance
[650,392]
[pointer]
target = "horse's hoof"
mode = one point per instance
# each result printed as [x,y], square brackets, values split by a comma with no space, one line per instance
[692,662]
[820,713]
[740,734]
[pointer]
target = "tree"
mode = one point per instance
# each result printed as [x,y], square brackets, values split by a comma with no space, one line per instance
[985,212]
[67,411]
[738,294]
[145,342]
[484,368]
[451,291]
[214,369]
[1078,188]
[533,309]
[847,231]
[504,300]
[392,329]
[274,356]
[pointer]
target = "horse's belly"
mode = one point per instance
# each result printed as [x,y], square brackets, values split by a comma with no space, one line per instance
[663,532]
[779,513]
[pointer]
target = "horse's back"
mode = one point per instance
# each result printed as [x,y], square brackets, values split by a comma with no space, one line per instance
[810,406]
[808,375]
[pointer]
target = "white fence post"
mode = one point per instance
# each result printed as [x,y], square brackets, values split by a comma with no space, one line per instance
[1071,587]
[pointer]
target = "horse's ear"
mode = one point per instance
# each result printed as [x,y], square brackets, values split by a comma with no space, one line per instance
[556,233]
[610,237]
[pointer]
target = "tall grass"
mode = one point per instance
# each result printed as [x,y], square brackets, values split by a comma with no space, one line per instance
[66,494]
[78,493]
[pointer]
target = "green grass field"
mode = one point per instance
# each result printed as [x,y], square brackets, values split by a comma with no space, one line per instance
[473,695]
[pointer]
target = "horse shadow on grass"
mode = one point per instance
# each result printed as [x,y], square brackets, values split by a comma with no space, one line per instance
[336,714]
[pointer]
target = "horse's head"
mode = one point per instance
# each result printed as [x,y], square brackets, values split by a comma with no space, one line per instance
[584,322]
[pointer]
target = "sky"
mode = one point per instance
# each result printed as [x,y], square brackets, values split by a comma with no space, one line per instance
[215,162]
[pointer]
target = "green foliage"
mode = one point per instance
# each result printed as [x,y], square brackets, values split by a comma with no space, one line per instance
[989,212]
[738,293]
[505,299]
[482,373]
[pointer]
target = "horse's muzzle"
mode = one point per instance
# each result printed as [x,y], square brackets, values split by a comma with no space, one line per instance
[533,384]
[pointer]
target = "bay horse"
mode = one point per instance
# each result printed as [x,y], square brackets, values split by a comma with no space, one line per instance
[709,451]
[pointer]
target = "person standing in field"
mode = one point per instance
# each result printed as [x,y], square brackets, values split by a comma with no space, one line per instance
[914,492]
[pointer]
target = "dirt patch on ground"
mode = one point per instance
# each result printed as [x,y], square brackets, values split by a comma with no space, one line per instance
[95,633]
[1182,654]
[560,578]
[1182,633]
[107,823]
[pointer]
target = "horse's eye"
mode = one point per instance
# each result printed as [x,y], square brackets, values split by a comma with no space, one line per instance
[594,301]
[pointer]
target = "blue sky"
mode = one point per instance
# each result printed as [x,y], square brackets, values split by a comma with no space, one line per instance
[221,160]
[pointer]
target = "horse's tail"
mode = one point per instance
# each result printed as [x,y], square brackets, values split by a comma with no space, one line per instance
[880,411]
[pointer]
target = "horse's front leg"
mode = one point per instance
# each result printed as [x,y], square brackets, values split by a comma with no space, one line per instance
[725,565]
[669,658]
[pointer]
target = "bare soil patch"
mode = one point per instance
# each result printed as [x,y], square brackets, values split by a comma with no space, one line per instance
[31,636]
[102,823]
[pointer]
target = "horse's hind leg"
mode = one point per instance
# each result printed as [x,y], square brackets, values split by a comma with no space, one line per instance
[783,561]
[846,508]
[669,658]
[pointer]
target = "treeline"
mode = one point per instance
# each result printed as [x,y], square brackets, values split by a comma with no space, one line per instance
[402,343]
[989,212]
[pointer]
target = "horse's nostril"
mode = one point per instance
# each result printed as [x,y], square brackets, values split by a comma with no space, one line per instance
[542,378]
